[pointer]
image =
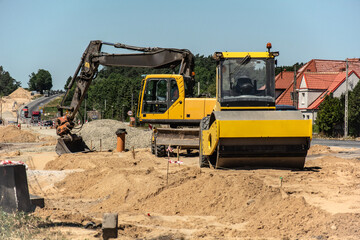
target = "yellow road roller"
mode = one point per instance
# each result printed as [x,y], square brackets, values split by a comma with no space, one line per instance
[245,129]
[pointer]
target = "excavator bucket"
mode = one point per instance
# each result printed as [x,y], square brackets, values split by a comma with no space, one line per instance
[71,144]
[257,139]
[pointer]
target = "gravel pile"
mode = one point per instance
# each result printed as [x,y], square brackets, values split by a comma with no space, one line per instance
[105,130]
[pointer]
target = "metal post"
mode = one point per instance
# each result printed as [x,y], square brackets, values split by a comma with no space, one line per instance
[346,99]
[122,113]
[294,90]
[132,102]
[198,88]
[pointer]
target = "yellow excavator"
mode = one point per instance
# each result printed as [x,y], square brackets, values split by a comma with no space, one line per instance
[165,99]
[245,129]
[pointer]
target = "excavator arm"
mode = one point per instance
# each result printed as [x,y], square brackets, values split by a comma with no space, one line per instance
[93,57]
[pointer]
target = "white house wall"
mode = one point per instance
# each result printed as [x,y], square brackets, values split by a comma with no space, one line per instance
[309,114]
[312,96]
[303,83]
[353,80]
[307,97]
[303,98]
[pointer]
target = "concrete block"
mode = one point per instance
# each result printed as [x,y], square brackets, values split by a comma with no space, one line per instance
[109,225]
[14,192]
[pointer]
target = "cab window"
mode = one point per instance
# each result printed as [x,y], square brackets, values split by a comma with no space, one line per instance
[159,95]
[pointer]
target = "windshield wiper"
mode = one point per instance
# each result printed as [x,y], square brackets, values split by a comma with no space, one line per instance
[245,60]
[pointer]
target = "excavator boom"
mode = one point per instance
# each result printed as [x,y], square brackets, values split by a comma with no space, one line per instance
[88,67]
[93,57]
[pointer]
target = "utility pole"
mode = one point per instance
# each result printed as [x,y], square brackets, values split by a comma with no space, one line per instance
[346,100]
[294,90]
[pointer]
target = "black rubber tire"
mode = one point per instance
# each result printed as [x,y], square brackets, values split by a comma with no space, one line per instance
[203,160]
[161,151]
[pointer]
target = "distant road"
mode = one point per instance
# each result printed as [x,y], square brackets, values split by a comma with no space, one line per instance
[336,143]
[37,103]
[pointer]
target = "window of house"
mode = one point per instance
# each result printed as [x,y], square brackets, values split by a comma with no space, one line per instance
[303,98]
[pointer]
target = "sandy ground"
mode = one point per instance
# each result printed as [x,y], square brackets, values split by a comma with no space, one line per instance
[320,202]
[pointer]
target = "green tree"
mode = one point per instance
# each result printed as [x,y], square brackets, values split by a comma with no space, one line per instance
[7,83]
[288,68]
[330,117]
[40,81]
[118,92]
[354,111]
[205,73]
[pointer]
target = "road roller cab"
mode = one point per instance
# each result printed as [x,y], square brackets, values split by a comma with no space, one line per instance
[245,129]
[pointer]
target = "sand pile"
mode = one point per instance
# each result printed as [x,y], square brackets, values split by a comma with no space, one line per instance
[105,130]
[20,93]
[12,134]
[11,103]
[213,203]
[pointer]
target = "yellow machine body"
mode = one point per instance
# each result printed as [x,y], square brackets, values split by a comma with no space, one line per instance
[171,107]
[246,129]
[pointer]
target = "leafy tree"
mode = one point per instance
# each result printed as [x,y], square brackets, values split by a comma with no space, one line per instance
[7,83]
[71,92]
[354,111]
[117,91]
[288,68]
[205,74]
[330,117]
[40,81]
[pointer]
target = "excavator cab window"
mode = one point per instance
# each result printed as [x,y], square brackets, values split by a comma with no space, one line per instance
[155,96]
[174,91]
[156,99]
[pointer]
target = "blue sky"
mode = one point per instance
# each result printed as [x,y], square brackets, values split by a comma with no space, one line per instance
[52,35]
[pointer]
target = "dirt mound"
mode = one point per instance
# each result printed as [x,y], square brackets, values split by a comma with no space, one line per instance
[12,134]
[220,204]
[21,93]
[12,103]
[318,149]
[105,130]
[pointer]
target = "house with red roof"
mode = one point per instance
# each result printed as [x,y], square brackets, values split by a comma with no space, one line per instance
[314,81]
[282,81]
[315,86]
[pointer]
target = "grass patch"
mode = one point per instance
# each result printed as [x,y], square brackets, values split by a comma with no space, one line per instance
[20,225]
[50,109]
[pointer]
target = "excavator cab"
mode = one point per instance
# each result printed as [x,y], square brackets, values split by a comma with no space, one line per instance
[162,99]
[245,129]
